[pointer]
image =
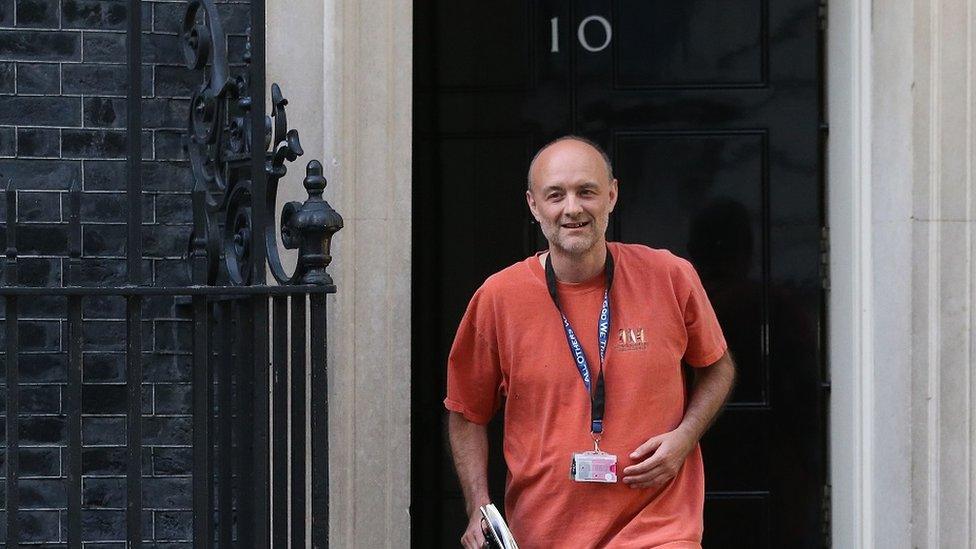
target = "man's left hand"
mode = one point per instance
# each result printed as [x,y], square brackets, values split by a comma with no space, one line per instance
[665,455]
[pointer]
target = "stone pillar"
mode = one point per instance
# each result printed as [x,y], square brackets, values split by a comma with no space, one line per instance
[371,136]
[944,277]
[903,240]
[346,68]
[887,464]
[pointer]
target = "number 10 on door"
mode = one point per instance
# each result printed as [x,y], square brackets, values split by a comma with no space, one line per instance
[581,33]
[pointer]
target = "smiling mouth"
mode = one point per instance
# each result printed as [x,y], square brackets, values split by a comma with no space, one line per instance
[579,225]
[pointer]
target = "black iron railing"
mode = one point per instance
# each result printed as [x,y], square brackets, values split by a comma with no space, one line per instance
[254,344]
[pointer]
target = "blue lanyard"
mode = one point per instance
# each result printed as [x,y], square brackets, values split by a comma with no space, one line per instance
[597,395]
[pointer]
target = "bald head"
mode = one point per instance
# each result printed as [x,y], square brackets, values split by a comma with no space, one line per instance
[571,194]
[568,148]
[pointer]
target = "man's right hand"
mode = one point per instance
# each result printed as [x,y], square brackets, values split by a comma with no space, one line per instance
[474,537]
[469,444]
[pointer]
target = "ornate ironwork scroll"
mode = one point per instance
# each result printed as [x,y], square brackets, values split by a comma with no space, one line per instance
[218,144]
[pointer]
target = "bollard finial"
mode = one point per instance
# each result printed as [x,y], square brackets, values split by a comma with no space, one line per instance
[314,182]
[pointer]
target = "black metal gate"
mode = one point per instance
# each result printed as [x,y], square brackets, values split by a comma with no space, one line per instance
[259,388]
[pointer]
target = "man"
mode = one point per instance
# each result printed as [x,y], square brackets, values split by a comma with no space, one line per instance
[585,344]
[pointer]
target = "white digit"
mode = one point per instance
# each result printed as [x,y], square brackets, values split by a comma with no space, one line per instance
[581,35]
[555,34]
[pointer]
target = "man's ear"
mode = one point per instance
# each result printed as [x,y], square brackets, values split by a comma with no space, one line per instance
[613,194]
[530,200]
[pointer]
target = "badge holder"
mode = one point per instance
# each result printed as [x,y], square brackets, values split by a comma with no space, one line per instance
[594,466]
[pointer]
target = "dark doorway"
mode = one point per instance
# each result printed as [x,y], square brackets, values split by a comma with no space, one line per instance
[711,112]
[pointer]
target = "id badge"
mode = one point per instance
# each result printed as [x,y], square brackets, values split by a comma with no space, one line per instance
[594,467]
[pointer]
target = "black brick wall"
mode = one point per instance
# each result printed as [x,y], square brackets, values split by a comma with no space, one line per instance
[62,119]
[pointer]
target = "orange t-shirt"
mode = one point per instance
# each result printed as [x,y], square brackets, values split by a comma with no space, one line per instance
[511,347]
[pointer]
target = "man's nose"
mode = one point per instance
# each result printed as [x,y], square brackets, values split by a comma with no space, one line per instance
[573,207]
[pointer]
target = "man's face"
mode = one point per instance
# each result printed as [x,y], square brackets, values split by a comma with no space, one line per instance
[571,196]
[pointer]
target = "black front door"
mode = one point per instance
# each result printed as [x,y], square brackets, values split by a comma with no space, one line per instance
[710,110]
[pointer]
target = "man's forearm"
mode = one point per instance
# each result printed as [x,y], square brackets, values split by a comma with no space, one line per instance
[469,446]
[709,392]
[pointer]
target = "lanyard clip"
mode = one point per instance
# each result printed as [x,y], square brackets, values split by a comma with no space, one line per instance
[596,441]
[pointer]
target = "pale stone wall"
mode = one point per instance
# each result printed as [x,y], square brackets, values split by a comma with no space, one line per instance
[944,273]
[888,378]
[850,314]
[371,134]
[346,68]
[903,238]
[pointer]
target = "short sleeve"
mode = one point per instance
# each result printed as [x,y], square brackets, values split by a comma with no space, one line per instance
[706,343]
[473,368]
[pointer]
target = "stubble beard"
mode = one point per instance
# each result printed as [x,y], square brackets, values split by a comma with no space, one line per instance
[578,246]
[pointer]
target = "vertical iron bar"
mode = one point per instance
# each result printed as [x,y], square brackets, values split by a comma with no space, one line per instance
[298,413]
[258,147]
[202,406]
[260,423]
[75,360]
[279,505]
[13,389]
[245,425]
[133,423]
[212,333]
[133,137]
[202,384]
[261,462]
[320,422]
[11,262]
[224,425]
[13,425]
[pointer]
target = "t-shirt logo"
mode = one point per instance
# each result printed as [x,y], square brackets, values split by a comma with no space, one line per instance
[631,339]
